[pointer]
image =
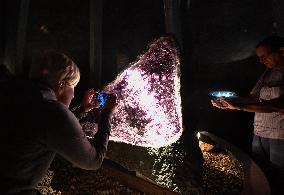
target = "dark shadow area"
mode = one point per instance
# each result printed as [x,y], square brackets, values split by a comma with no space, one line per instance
[218,40]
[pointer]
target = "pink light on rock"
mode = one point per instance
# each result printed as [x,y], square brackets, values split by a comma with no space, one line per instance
[149,104]
[148,111]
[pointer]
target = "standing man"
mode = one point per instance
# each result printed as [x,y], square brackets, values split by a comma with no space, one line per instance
[266,100]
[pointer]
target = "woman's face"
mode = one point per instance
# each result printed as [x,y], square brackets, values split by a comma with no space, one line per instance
[65,94]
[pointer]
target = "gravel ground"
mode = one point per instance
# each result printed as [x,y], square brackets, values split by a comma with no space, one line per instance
[63,179]
[222,173]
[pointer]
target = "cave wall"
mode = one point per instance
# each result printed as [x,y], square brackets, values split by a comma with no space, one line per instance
[2,31]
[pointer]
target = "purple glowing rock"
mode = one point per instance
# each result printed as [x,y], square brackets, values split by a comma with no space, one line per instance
[148,111]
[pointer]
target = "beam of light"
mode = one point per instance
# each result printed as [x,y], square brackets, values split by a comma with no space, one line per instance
[198,135]
[226,94]
[148,111]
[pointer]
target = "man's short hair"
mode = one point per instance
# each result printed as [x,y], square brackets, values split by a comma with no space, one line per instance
[274,42]
[51,67]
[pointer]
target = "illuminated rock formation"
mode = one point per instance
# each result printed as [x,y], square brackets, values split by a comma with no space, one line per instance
[148,112]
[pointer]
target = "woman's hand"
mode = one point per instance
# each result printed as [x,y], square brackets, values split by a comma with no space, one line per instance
[88,101]
[110,103]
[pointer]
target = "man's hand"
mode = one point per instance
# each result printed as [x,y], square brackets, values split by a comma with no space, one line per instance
[219,103]
[223,103]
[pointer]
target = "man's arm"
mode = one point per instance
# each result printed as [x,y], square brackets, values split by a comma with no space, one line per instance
[265,106]
[254,105]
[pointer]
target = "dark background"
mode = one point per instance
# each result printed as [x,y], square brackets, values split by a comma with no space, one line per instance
[217,40]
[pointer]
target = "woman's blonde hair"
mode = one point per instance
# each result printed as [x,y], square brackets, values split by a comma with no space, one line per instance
[51,67]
